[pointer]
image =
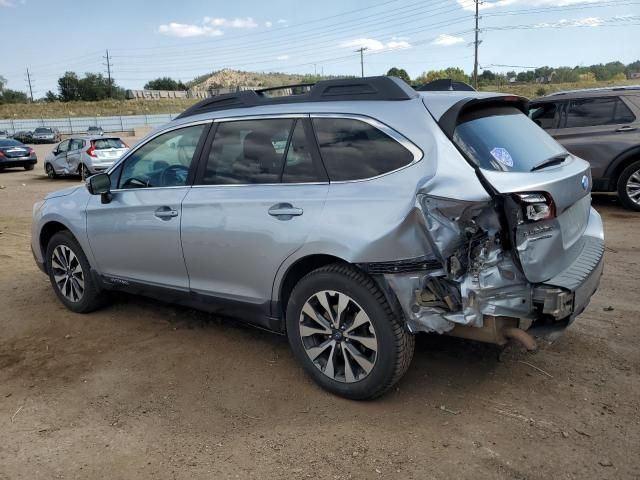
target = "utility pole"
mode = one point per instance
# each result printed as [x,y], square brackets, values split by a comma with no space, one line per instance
[476,43]
[108,64]
[29,83]
[361,50]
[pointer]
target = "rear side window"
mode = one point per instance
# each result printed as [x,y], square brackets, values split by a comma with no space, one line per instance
[76,144]
[248,152]
[504,139]
[354,150]
[590,112]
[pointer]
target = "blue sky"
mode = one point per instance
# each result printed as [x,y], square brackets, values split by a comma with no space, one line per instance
[189,38]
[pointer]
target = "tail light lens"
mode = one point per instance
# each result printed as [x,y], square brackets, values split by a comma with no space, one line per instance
[91,151]
[32,151]
[536,206]
[1,153]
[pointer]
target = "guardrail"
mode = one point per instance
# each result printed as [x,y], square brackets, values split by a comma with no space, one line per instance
[76,125]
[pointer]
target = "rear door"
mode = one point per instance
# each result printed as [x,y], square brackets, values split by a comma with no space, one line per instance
[545,190]
[259,194]
[597,129]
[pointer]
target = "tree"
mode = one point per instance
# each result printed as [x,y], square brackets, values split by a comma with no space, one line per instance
[400,73]
[69,87]
[453,73]
[93,87]
[50,97]
[165,83]
[12,96]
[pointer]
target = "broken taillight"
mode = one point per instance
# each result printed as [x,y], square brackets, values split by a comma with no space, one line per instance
[536,206]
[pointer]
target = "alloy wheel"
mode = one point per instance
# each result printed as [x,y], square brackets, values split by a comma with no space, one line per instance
[50,172]
[633,187]
[67,273]
[338,336]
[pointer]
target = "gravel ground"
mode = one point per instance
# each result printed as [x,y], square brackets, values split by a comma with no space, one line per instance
[147,390]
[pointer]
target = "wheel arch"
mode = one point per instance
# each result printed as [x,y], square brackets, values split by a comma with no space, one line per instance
[47,232]
[294,274]
[621,162]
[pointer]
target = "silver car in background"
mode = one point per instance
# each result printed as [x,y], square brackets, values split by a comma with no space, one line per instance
[385,212]
[46,135]
[84,156]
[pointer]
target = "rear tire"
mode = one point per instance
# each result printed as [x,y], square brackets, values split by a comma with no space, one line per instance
[28,167]
[629,186]
[51,173]
[70,274]
[367,336]
[84,172]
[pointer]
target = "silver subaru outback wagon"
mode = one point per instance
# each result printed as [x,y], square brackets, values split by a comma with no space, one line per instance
[350,217]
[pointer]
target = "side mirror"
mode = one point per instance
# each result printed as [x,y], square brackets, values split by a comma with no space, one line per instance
[100,184]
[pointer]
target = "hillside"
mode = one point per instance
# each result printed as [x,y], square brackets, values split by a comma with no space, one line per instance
[233,78]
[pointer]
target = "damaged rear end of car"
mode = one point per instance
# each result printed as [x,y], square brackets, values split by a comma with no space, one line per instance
[520,263]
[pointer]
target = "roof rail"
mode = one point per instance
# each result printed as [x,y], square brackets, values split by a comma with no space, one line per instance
[348,89]
[445,85]
[596,90]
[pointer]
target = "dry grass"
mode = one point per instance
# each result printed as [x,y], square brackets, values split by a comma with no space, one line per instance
[175,105]
[102,108]
[530,90]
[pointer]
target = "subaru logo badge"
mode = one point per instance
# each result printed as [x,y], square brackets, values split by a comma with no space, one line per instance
[585,182]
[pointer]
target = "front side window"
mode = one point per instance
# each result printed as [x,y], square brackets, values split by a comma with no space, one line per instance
[504,139]
[545,115]
[64,146]
[248,152]
[354,150]
[163,161]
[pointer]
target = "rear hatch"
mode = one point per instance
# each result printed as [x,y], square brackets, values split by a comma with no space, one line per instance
[108,149]
[543,191]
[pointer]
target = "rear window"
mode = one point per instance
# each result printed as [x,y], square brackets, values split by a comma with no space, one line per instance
[590,112]
[10,143]
[354,150]
[107,143]
[504,139]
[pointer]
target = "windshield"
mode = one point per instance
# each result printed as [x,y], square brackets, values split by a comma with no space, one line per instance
[10,143]
[42,130]
[106,143]
[504,139]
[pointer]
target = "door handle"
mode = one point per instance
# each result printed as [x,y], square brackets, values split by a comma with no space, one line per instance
[284,211]
[626,128]
[166,213]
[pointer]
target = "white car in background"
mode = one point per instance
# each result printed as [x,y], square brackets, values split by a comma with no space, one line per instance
[84,156]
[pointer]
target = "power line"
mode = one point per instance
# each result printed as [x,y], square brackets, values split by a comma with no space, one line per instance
[475,44]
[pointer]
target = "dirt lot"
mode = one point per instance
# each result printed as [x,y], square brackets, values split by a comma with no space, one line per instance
[146,390]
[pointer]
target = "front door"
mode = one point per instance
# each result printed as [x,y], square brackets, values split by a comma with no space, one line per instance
[260,195]
[60,158]
[74,154]
[136,236]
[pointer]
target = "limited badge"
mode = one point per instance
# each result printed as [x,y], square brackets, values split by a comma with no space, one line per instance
[503,156]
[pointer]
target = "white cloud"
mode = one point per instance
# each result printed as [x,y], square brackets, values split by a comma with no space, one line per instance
[268,24]
[375,45]
[247,22]
[579,22]
[282,57]
[184,30]
[446,40]
[282,20]
[7,3]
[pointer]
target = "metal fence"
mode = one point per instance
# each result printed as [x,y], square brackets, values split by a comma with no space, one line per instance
[75,125]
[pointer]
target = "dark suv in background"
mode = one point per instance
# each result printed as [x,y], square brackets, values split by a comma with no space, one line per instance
[601,126]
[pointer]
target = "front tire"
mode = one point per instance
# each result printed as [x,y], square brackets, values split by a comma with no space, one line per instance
[629,186]
[51,173]
[345,334]
[70,274]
